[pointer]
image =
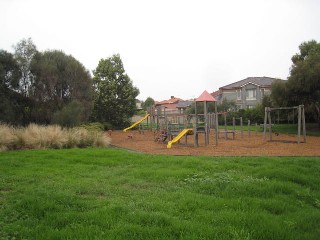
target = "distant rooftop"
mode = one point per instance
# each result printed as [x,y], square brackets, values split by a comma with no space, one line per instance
[205,97]
[172,100]
[260,81]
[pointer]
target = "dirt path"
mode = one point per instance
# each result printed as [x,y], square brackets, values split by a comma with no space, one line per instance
[252,145]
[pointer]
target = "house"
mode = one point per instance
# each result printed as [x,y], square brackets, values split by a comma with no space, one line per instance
[169,106]
[173,105]
[138,104]
[246,93]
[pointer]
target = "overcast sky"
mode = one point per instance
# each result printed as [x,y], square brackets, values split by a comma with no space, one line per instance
[169,47]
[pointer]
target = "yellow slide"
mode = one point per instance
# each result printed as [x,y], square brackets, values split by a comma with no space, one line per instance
[179,136]
[136,123]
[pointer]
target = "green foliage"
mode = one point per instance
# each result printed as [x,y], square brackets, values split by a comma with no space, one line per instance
[303,85]
[279,94]
[24,53]
[9,71]
[141,112]
[94,126]
[200,108]
[149,102]
[115,95]
[115,194]
[12,104]
[227,106]
[60,80]
[70,115]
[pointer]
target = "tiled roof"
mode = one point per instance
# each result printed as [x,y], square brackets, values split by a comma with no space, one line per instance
[170,106]
[205,97]
[169,101]
[184,104]
[260,81]
[215,93]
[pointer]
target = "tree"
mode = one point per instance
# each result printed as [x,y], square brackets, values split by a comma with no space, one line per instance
[149,102]
[114,92]
[227,106]
[59,79]
[303,85]
[70,115]
[24,52]
[9,71]
[12,104]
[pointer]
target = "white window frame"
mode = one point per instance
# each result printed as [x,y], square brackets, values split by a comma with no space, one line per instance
[239,94]
[252,96]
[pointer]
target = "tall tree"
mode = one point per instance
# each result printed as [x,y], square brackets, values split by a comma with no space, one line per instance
[13,106]
[9,70]
[24,52]
[60,79]
[149,102]
[303,85]
[115,93]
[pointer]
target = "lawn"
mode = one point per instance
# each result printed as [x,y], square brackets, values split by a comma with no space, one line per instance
[116,194]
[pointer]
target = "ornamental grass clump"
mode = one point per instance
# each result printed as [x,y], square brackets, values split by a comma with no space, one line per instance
[101,140]
[7,137]
[53,136]
[36,137]
[81,137]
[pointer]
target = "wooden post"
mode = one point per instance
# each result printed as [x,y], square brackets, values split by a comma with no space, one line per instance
[249,132]
[265,122]
[299,123]
[206,135]
[304,125]
[234,124]
[241,127]
[270,124]
[225,125]
[216,122]
[196,127]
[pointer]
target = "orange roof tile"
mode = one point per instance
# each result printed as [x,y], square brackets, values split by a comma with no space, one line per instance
[205,97]
[169,101]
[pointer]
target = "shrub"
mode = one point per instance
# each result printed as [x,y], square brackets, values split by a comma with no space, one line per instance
[70,115]
[7,137]
[95,126]
[101,140]
[53,136]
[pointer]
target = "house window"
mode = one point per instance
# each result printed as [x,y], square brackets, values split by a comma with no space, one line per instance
[262,93]
[239,94]
[251,94]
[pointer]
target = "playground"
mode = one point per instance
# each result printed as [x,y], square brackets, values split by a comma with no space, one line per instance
[200,134]
[253,145]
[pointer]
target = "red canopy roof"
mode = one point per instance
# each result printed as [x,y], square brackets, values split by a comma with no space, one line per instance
[205,97]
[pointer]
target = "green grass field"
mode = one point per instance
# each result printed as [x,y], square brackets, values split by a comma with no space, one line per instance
[115,194]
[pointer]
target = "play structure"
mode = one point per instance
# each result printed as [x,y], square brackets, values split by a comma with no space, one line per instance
[137,123]
[301,122]
[184,132]
[172,128]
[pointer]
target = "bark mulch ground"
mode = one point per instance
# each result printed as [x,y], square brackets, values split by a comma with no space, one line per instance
[253,145]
